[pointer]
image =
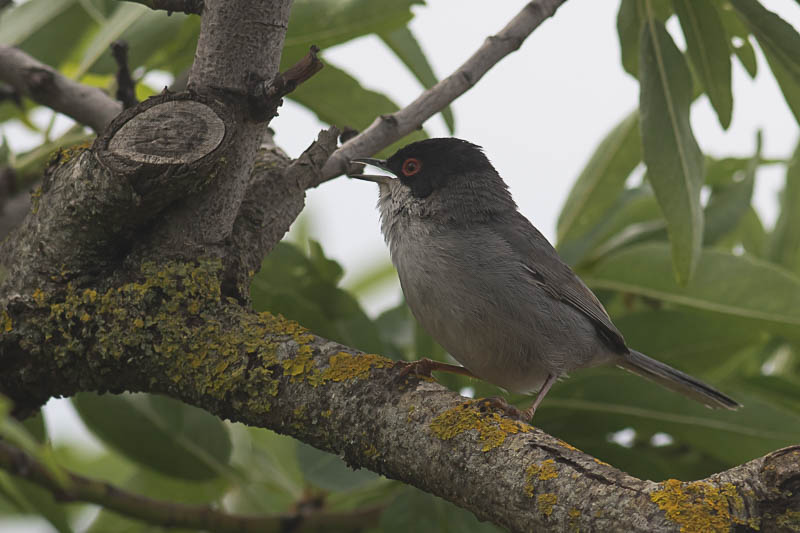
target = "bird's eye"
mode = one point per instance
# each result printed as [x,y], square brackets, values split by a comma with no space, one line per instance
[411,166]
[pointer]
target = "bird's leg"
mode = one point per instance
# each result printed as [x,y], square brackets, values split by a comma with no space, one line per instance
[424,367]
[500,403]
[530,411]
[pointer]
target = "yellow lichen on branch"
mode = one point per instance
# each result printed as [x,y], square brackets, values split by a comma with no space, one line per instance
[700,506]
[492,428]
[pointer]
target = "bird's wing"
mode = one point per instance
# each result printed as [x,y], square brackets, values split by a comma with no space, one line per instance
[546,268]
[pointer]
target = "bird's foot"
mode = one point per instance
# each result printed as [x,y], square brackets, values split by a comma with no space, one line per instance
[423,368]
[500,404]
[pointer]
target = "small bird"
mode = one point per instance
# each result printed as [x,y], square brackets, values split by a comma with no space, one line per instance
[488,287]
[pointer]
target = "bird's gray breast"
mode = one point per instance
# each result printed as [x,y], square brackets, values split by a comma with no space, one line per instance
[469,290]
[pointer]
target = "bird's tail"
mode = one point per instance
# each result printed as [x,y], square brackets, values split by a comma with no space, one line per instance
[675,380]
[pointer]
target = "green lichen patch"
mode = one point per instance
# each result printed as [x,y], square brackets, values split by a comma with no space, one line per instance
[173,321]
[492,428]
[344,366]
[790,520]
[545,502]
[6,323]
[699,506]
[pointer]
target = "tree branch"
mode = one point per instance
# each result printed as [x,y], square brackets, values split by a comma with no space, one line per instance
[169,330]
[46,86]
[389,128]
[170,514]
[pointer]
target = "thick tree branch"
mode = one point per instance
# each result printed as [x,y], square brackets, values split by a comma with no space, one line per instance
[239,40]
[169,330]
[171,514]
[389,128]
[46,86]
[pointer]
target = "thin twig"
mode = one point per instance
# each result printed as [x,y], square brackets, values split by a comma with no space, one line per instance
[266,96]
[170,514]
[87,105]
[388,128]
[126,87]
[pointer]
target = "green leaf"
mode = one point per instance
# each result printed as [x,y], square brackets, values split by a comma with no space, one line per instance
[405,46]
[704,343]
[305,289]
[414,510]
[783,391]
[337,98]
[31,498]
[595,402]
[752,234]
[164,434]
[707,45]
[602,180]
[123,18]
[740,38]
[328,472]
[61,34]
[780,43]
[630,17]
[26,19]
[148,34]
[158,487]
[16,433]
[784,241]
[724,283]
[729,203]
[634,211]
[330,22]
[674,161]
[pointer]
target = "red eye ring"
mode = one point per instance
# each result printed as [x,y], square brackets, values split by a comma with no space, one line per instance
[411,166]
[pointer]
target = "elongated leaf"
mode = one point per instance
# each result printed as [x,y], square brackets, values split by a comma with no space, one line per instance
[752,234]
[629,26]
[329,22]
[305,289]
[158,487]
[337,98]
[697,342]
[674,161]
[24,20]
[733,285]
[592,403]
[414,510]
[707,45]
[123,18]
[781,45]
[164,434]
[330,472]
[729,203]
[602,180]
[405,46]
[740,38]
[31,498]
[633,207]
[779,390]
[784,242]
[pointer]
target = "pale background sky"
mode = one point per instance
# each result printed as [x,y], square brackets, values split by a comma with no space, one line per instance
[539,114]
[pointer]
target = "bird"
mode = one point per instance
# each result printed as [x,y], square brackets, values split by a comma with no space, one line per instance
[488,286]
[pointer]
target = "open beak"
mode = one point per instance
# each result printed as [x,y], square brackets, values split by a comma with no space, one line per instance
[380,163]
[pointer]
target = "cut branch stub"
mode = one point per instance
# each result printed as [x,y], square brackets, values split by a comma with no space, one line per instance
[168,145]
